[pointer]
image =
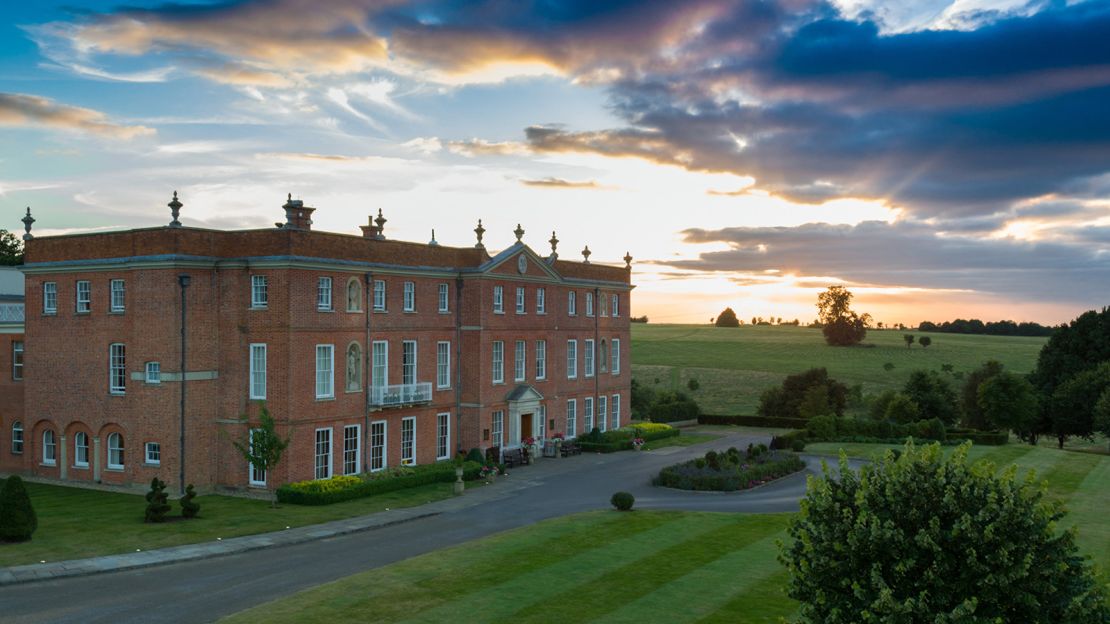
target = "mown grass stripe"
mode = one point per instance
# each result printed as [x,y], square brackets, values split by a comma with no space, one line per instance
[644,574]
[1087,510]
[714,584]
[521,592]
[765,602]
[1068,473]
[1001,456]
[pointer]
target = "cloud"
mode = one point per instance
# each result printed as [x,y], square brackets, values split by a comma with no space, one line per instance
[912,254]
[424,145]
[560,183]
[481,147]
[17,109]
[246,76]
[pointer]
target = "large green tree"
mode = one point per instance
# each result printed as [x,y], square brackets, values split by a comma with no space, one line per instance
[263,447]
[727,318]
[925,540]
[969,395]
[841,326]
[11,249]
[1008,401]
[1072,411]
[1078,346]
[933,395]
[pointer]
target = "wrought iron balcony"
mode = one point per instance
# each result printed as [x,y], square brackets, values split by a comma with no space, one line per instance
[396,395]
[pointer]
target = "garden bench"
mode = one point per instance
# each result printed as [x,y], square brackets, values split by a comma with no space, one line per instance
[570,448]
[514,457]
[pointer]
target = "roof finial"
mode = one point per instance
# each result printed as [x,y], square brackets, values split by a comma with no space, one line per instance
[554,243]
[627,260]
[519,231]
[27,221]
[480,231]
[586,254]
[433,241]
[380,222]
[175,211]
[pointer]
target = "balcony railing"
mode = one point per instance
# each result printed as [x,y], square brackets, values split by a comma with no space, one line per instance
[11,312]
[401,394]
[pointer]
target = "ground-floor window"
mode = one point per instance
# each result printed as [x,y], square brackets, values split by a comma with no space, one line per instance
[408,441]
[153,452]
[49,448]
[17,437]
[377,445]
[602,412]
[115,451]
[572,418]
[539,425]
[350,449]
[323,454]
[588,415]
[443,436]
[81,450]
[616,407]
[497,428]
[257,477]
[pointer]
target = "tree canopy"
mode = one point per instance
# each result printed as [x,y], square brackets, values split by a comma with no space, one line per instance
[727,319]
[922,539]
[841,326]
[11,249]
[1008,401]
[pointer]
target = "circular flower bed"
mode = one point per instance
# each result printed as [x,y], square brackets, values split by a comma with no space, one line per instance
[731,470]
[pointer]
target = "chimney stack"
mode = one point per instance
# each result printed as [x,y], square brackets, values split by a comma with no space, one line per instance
[297,215]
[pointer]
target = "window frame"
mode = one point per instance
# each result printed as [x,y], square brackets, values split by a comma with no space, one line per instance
[408,446]
[520,361]
[383,447]
[409,367]
[348,452]
[52,459]
[498,299]
[497,428]
[114,306]
[521,301]
[588,414]
[317,455]
[50,298]
[572,303]
[572,419]
[589,366]
[444,298]
[324,294]
[384,364]
[615,356]
[156,369]
[443,435]
[541,360]
[572,358]
[589,303]
[541,300]
[83,305]
[253,374]
[252,472]
[408,301]
[260,292]
[615,409]
[615,302]
[78,447]
[119,450]
[603,413]
[497,372]
[117,369]
[380,294]
[443,367]
[17,438]
[329,380]
[18,350]
[157,448]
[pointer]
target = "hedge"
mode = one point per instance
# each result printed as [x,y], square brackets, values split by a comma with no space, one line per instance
[986,438]
[753,421]
[344,488]
[621,439]
[731,474]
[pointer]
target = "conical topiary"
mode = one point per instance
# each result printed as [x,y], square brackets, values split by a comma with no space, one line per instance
[17,517]
[189,507]
[156,501]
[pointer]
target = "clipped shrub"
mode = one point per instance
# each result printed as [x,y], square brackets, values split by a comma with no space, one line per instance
[712,460]
[822,427]
[786,440]
[902,409]
[752,421]
[699,475]
[623,501]
[621,439]
[189,507]
[786,401]
[798,445]
[343,488]
[17,516]
[475,455]
[931,429]
[673,406]
[157,501]
[693,385]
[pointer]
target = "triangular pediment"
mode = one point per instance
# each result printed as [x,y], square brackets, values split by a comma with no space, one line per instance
[508,262]
[523,393]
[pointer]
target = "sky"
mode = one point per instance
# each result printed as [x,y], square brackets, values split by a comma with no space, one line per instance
[940,159]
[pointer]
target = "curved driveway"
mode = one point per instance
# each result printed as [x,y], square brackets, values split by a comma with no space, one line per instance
[204,590]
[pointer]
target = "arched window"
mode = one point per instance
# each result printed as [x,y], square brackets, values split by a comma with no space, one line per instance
[354,367]
[604,356]
[81,450]
[115,451]
[49,448]
[17,437]
[354,295]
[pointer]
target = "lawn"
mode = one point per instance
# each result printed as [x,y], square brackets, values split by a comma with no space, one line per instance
[734,365]
[686,439]
[646,566]
[607,566]
[76,522]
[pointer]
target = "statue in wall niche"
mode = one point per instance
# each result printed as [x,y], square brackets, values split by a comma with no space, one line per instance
[352,296]
[354,368]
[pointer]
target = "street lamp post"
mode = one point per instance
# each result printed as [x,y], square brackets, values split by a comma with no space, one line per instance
[183,281]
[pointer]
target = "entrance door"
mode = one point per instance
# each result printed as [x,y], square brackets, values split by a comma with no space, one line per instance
[526,430]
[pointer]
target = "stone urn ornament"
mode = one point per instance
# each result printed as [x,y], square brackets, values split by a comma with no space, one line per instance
[459,485]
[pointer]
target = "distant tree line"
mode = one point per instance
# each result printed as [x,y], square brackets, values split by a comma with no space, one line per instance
[639,319]
[990,328]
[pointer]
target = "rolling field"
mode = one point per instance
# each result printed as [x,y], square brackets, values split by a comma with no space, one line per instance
[644,566]
[734,365]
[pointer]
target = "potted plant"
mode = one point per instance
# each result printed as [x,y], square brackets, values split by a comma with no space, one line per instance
[637,443]
[558,438]
[458,461]
[530,442]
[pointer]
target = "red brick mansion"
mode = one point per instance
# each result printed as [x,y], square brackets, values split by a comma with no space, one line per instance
[146,352]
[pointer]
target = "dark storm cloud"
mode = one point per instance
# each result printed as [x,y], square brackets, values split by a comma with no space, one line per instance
[913,254]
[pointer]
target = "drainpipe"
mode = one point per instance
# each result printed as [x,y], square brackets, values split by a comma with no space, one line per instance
[183,281]
[458,369]
[597,363]
[368,361]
